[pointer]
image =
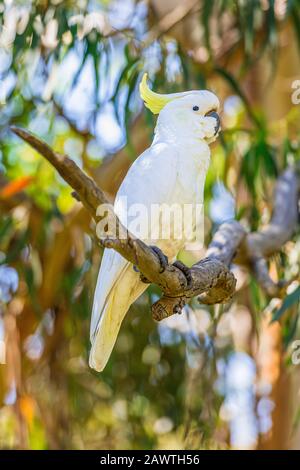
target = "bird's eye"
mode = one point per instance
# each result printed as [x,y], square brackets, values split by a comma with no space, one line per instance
[195,108]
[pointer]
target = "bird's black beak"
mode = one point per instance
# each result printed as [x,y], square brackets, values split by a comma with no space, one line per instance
[215,115]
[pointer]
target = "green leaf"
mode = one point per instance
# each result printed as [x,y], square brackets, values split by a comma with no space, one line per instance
[250,168]
[268,158]
[290,300]
[271,25]
[16,248]
[295,17]
[124,78]
[5,225]
[291,330]
[249,29]
[81,66]
[207,9]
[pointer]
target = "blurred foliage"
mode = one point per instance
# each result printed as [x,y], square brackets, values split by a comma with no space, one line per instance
[69,71]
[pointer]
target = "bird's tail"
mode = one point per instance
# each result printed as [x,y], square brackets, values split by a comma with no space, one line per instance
[125,291]
[105,337]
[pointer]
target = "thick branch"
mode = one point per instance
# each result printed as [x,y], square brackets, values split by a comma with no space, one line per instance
[260,245]
[284,219]
[212,281]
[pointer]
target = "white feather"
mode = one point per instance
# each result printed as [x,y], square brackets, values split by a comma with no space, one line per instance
[171,171]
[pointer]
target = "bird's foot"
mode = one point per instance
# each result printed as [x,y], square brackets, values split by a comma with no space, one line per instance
[162,258]
[163,261]
[186,271]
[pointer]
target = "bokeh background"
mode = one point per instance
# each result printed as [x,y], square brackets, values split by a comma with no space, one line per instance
[214,377]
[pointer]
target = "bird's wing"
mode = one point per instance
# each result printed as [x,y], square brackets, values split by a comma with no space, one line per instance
[111,269]
[150,179]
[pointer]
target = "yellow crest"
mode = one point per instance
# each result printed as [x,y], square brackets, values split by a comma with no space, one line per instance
[156,101]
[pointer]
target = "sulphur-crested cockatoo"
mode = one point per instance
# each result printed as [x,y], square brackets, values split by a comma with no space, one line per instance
[171,171]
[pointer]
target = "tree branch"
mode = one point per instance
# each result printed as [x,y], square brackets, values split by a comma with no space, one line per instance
[260,245]
[212,280]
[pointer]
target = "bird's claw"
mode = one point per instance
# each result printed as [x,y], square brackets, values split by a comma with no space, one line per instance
[163,260]
[186,271]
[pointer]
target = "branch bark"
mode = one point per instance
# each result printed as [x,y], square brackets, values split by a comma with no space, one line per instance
[212,280]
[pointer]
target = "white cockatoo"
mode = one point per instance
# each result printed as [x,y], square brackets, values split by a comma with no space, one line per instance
[171,171]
